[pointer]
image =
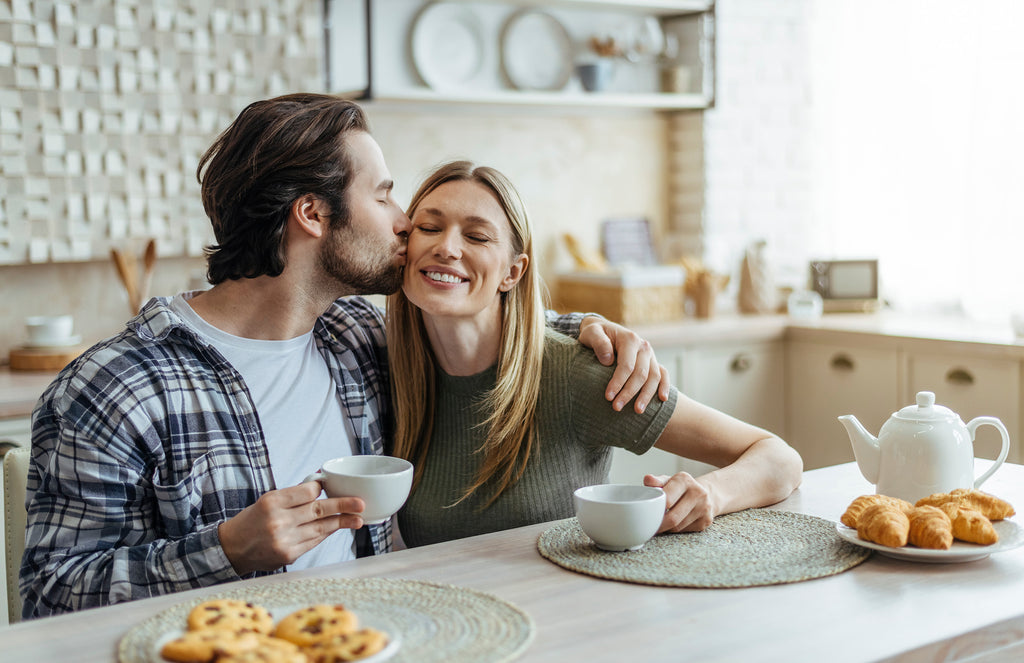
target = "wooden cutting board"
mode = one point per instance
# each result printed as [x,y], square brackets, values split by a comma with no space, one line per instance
[43,359]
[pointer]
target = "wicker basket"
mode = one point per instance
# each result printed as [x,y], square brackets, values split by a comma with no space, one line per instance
[634,297]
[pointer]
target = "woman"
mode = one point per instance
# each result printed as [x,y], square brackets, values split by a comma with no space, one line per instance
[504,419]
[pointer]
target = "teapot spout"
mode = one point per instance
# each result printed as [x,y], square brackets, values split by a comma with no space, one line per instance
[865,447]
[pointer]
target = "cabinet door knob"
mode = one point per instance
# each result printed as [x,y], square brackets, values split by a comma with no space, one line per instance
[842,362]
[959,376]
[740,363]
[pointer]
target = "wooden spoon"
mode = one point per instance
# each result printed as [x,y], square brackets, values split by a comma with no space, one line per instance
[125,265]
[148,263]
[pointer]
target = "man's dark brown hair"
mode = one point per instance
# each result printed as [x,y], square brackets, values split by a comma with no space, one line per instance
[275,152]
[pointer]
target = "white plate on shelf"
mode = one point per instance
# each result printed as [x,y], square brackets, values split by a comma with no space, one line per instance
[447,45]
[536,51]
[1011,535]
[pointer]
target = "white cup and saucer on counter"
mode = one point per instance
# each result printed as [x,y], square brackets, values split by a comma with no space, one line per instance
[50,344]
[51,331]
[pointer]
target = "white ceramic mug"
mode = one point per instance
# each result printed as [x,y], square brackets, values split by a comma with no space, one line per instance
[620,517]
[382,482]
[49,329]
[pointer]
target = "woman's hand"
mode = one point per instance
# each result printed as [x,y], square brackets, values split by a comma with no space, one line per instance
[688,503]
[637,373]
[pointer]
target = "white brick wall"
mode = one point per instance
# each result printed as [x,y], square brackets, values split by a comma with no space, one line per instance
[757,168]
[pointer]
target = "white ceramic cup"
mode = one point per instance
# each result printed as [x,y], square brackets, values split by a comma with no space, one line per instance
[49,329]
[382,482]
[619,516]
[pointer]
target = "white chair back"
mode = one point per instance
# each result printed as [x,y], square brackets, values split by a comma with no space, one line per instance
[15,517]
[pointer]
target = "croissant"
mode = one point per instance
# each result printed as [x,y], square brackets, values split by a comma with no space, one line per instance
[951,509]
[857,507]
[970,526]
[930,527]
[938,499]
[989,506]
[885,524]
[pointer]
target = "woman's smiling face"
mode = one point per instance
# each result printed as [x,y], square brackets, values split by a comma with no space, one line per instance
[460,256]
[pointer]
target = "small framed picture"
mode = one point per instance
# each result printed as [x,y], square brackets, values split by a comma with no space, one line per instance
[845,279]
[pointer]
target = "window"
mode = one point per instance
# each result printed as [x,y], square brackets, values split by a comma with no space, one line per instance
[917,135]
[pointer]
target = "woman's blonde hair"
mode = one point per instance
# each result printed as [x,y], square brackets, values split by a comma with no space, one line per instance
[511,436]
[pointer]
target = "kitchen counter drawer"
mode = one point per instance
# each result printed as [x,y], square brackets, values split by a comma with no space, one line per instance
[972,386]
[826,381]
[744,380]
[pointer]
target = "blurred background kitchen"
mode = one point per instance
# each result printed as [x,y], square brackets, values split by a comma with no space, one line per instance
[829,129]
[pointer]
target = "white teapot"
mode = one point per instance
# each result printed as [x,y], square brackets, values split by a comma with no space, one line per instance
[922,449]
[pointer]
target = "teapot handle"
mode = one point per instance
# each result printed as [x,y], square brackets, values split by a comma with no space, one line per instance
[972,427]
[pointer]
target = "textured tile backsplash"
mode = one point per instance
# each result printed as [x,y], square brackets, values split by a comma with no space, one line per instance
[106,105]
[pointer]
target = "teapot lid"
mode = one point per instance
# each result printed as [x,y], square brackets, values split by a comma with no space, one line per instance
[926,410]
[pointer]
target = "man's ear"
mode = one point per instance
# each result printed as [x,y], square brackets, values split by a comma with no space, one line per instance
[311,215]
[515,272]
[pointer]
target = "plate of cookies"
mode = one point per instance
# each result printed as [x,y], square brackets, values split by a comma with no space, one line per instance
[230,630]
[962,525]
[321,620]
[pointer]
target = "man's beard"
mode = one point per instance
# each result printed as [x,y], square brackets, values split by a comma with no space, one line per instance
[360,268]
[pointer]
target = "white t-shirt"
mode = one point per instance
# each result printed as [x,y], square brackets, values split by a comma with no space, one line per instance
[300,413]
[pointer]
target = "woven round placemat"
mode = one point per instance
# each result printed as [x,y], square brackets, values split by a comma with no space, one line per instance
[430,622]
[745,549]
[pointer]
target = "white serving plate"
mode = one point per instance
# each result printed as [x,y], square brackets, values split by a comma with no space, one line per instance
[1011,535]
[447,45]
[536,51]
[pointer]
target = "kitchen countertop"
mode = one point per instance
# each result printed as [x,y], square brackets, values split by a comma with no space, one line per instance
[834,327]
[20,390]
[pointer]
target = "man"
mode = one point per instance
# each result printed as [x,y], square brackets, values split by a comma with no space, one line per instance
[172,455]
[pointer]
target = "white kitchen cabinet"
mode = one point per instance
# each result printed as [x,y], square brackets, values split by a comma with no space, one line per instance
[825,381]
[867,366]
[372,52]
[745,380]
[971,385]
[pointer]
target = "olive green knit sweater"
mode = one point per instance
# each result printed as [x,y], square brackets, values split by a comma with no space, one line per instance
[577,427]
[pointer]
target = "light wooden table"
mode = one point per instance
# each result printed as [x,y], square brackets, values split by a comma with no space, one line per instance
[880,609]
